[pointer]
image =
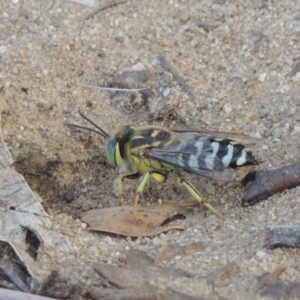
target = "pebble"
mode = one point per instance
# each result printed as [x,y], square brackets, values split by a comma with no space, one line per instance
[2,49]
[260,253]
[158,242]
[130,77]
[262,77]
[210,189]
[228,108]
[296,130]
[93,250]
[166,91]
[263,112]
[109,240]
[260,218]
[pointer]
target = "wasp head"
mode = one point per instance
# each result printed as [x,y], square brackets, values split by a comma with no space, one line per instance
[115,145]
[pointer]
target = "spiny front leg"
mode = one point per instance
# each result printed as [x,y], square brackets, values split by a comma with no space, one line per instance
[196,195]
[122,178]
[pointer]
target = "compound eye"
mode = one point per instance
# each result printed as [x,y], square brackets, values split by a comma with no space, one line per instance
[113,153]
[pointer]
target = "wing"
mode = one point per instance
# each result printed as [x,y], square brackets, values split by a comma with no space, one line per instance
[240,138]
[198,156]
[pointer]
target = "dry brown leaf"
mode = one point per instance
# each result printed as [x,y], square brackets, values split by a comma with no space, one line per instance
[270,279]
[141,276]
[193,248]
[120,219]
[173,250]
[145,292]
[220,273]
[280,290]
[139,270]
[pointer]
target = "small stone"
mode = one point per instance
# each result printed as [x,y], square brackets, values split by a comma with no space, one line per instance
[158,242]
[256,135]
[276,140]
[228,108]
[130,77]
[108,240]
[261,218]
[250,114]
[296,130]
[83,225]
[138,67]
[2,49]
[210,189]
[15,70]
[166,91]
[260,253]
[265,147]
[263,112]
[262,77]
[69,195]
[93,250]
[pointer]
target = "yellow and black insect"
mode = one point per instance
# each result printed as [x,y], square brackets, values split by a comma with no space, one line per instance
[159,152]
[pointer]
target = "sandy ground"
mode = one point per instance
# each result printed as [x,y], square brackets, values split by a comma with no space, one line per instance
[234,56]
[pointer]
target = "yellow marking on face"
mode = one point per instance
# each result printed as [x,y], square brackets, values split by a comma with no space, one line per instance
[136,137]
[118,157]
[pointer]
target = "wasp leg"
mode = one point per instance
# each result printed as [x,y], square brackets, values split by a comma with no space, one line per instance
[150,195]
[122,178]
[195,194]
[159,178]
[139,192]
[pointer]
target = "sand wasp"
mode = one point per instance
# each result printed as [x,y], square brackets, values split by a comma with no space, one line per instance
[159,152]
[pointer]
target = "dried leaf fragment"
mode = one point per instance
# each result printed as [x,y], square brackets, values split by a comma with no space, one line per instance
[139,270]
[120,219]
[220,273]
[270,279]
[140,276]
[145,292]
[172,250]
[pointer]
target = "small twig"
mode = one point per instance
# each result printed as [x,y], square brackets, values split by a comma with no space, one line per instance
[103,6]
[168,67]
[282,236]
[114,89]
[294,71]
[266,183]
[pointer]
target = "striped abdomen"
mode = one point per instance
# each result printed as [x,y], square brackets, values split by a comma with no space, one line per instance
[232,154]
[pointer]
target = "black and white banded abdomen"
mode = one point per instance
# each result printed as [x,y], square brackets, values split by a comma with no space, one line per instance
[232,154]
